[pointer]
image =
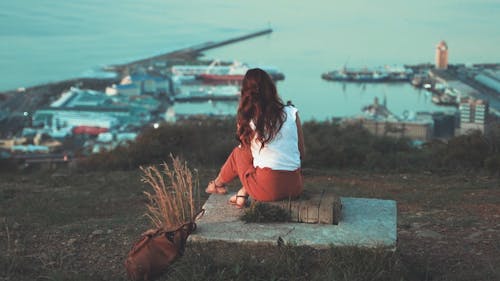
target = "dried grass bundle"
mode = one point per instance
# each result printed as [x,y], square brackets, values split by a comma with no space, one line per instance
[172,202]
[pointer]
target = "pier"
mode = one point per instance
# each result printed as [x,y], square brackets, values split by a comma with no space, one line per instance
[211,45]
[191,52]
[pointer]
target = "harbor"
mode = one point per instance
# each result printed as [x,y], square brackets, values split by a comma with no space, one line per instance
[180,86]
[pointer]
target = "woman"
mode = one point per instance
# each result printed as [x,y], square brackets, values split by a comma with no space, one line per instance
[268,159]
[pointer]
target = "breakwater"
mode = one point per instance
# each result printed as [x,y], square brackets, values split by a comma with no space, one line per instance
[189,53]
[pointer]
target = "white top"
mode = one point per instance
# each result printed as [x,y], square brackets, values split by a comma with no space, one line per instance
[282,152]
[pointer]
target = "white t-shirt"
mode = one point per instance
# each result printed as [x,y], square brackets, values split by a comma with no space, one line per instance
[282,152]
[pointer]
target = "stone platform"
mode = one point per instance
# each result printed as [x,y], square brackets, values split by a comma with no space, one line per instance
[364,223]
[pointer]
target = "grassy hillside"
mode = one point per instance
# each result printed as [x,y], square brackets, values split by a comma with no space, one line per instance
[79,224]
[69,226]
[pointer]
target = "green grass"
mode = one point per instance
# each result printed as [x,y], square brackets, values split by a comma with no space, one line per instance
[46,200]
[237,262]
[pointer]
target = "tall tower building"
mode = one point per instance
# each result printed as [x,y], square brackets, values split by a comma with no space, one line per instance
[442,55]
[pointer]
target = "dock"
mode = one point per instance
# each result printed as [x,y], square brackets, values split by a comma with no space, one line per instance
[211,45]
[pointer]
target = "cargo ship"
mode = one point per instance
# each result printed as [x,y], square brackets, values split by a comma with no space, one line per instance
[378,74]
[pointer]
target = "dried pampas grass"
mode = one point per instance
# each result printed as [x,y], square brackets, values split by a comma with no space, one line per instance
[172,200]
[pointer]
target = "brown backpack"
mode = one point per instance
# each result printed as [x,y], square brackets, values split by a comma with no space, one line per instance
[156,250]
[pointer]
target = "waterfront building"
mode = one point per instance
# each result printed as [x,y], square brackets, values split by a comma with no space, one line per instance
[380,121]
[461,89]
[58,118]
[77,97]
[442,55]
[29,148]
[473,115]
[489,78]
[420,130]
[87,108]
[8,143]
[123,89]
[444,122]
[145,84]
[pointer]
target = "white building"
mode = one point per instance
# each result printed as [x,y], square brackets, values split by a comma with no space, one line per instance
[57,118]
[473,115]
[123,89]
[79,107]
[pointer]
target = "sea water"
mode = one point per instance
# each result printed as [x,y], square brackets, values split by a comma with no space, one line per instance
[51,40]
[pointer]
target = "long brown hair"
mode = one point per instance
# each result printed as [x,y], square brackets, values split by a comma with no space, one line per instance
[261,104]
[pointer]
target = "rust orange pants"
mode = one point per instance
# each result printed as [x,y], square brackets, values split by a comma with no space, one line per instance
[262,184]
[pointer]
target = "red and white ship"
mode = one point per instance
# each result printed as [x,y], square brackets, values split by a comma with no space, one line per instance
[217,73]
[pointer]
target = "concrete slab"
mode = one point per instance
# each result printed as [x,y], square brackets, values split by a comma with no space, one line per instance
[364,223]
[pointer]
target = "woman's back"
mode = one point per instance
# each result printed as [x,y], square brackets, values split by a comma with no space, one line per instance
[282,152]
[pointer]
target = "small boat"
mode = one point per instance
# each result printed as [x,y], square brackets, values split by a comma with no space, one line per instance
[422,81]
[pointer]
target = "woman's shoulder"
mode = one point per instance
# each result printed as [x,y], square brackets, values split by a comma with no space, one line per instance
[290,109]
[290,112]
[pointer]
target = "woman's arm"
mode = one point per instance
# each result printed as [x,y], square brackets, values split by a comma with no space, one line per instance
[300,134]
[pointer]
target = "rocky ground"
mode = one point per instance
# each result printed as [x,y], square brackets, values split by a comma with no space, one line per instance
[59,225]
